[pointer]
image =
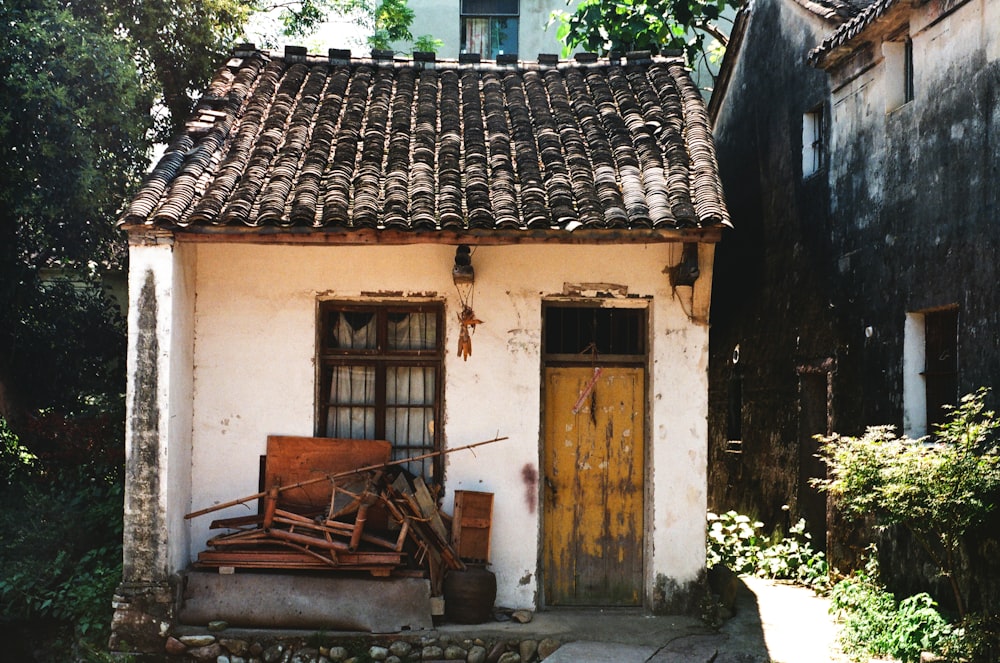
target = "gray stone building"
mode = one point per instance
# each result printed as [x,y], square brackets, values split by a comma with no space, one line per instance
[858,145]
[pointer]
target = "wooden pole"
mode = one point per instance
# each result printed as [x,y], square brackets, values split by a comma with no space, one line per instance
[331,477]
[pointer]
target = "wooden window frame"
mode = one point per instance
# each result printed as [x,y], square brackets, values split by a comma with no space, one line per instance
[381,358]
[813,141]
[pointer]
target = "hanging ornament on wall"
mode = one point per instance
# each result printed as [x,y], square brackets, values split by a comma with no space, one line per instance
[465,282]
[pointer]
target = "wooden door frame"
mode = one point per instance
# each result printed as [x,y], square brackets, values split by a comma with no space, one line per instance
[644,303]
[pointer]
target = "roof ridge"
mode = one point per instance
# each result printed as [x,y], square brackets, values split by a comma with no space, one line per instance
[423,60]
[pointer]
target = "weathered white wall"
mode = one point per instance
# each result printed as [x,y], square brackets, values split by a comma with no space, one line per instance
[254,375]
[157,536]
[863,132]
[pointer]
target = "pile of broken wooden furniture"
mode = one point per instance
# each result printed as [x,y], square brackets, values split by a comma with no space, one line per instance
[341,506]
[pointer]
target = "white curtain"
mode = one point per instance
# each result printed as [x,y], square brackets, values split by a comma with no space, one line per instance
[477,37]
[352,403]
[410,391]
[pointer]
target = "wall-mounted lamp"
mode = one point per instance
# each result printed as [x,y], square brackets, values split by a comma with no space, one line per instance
[465,279]
[686,272]
[463,272]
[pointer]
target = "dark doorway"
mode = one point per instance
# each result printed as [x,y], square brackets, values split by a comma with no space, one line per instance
[814,419]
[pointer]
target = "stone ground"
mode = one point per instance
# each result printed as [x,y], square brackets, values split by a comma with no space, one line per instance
[774,622]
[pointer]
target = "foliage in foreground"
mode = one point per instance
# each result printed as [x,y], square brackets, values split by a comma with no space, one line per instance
[874,624]
[735,541]
[60,556]
[937,488]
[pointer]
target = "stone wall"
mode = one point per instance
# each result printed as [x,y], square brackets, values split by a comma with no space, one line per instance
[901,218]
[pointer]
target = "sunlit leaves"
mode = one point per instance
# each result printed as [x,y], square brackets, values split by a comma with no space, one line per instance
[601,26]
[939,488]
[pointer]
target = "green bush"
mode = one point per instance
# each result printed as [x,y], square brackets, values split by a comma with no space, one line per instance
[735,541]
[937,488]
[975,639]
[792,557]
[874,624]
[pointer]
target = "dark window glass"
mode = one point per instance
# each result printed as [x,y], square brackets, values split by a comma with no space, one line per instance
[594,330]
[490,7]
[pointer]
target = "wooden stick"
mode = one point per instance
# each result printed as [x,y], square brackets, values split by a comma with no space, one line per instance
[331,477]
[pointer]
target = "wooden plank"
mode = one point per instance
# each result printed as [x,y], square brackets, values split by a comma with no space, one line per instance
[292,460]
[261,558]
[428,507]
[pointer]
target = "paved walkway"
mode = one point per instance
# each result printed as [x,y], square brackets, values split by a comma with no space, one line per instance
[774,623]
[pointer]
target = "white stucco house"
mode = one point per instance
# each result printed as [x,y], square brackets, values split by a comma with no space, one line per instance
[291,273]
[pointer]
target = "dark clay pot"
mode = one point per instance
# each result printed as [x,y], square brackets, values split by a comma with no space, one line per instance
[469,595]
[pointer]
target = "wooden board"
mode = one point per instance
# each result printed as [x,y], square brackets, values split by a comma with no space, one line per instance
[293,459]
[376,563]
[470,529]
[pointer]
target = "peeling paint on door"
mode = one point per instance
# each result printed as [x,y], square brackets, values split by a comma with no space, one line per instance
[593,495]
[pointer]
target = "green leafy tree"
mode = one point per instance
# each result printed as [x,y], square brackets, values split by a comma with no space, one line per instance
[385,21]
[392,20]
[72,141]
[178,43]
[937,488]
[601,26]
[80,82]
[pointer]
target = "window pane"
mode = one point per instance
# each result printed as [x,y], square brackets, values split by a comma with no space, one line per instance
[356,423]
[411,431]
[352,385]
[489,36]
[503,36]
[380,367]
[412,331]
[351,330]
[409,414]
[490,7]
[409,385]
[351,411]
[615,331]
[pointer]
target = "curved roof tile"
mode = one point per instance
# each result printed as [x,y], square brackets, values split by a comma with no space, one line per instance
[849,30]
[312,145]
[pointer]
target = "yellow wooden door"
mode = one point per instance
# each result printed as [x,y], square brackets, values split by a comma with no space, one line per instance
[593,492]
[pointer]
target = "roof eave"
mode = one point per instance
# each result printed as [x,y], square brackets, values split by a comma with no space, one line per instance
[141,234]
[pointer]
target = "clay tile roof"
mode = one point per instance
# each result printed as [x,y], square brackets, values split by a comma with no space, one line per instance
[835,10]
[848,31]
[316,146]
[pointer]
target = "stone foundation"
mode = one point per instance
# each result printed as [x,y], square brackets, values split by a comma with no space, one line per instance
[219,648]
[143,616]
